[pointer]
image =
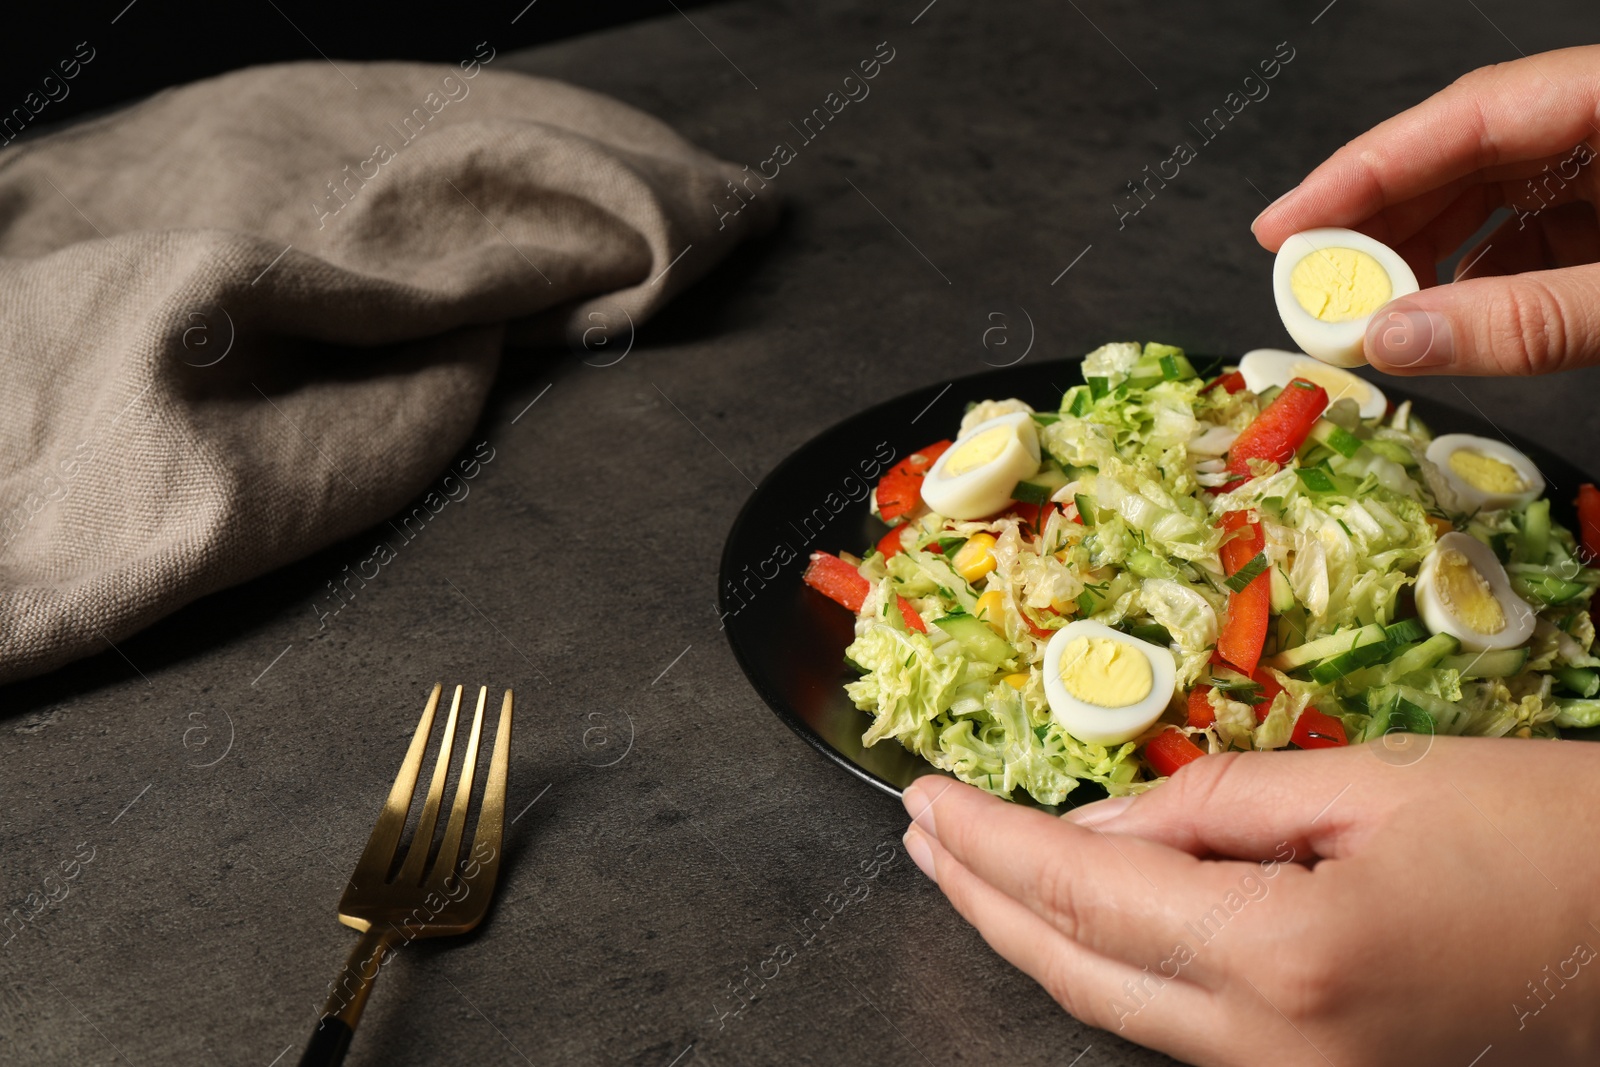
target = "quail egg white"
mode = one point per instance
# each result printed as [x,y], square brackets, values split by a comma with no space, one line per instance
[1267,367]
[976,476]
[1462,590]
[1485,473]
[1105,687]
[1328,283]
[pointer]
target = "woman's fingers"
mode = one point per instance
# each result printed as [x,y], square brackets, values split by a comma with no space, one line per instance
[1119,897]
[1269,807]
[1565,236]
[1424,246]
[1530,323]
[1139,1003]
[1497,117]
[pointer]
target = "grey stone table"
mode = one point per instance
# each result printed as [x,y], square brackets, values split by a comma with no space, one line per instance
[214,781]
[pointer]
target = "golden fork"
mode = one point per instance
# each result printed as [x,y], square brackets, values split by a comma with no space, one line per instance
[449,897]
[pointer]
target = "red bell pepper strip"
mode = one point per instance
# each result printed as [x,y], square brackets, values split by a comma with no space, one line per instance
[1279,431]
[1038,631]
[1169,750]
[900,491]
[837,580]
[1316,730]
[909,613]
[1244,625]
[1245,630]
[890,544]
[1231,382]
[1202,714]
[1238,550]
[1033,516]
[1269,691]
[1589,521]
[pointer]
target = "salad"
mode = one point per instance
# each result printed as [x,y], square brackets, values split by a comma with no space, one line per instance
[1173,564]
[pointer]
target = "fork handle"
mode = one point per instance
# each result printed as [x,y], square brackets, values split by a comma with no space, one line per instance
[331,1039]
[328,1044]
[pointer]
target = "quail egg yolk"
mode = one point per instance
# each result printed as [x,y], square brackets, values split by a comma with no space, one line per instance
[1340,284]
[1105,672]
[1467,595]
[983,448]
[1486,473]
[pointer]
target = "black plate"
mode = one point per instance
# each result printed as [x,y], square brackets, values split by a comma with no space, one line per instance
[790,639]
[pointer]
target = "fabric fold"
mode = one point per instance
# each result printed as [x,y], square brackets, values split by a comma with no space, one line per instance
[252,316]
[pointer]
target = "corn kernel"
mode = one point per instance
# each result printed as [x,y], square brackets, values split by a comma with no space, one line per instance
[974,559]
[989,610]
[1017,681]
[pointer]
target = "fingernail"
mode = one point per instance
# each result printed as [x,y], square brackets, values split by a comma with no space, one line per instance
[921,852]
[920,808]
[1100,812]
[1270,206]
[1409,338]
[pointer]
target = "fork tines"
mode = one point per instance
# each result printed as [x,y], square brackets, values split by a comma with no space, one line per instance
[378,858]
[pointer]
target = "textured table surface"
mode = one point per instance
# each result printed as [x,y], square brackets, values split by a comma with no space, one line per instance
[222,770]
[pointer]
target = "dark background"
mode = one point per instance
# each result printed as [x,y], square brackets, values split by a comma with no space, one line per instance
[147,45]
[979,179]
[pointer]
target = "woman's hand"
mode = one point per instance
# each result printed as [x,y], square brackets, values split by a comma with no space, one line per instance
[1520,135]
[1431,903]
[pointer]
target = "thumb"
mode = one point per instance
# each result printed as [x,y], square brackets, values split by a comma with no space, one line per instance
[1534,323]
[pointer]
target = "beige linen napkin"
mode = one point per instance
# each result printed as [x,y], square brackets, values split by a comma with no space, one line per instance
[252,316]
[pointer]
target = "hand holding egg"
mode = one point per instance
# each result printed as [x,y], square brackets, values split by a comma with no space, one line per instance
[1525,301]
[1329,283]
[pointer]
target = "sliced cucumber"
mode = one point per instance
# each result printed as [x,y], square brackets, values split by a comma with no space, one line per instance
[1498,663]
[1411,657]
[1316,480]
[1159,363]
[1336,437]
[1405,631]
[1331,645]
[977,641]
[1282,591]
[1393,450]
[1532,582]
[1534,542]
[1335,667]
[1085,508]
[1287,629]
[1031,493]
[1147,564]
[1447,715]
[1403,707]
[1177,368]
[1040,487]
[1584,682]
